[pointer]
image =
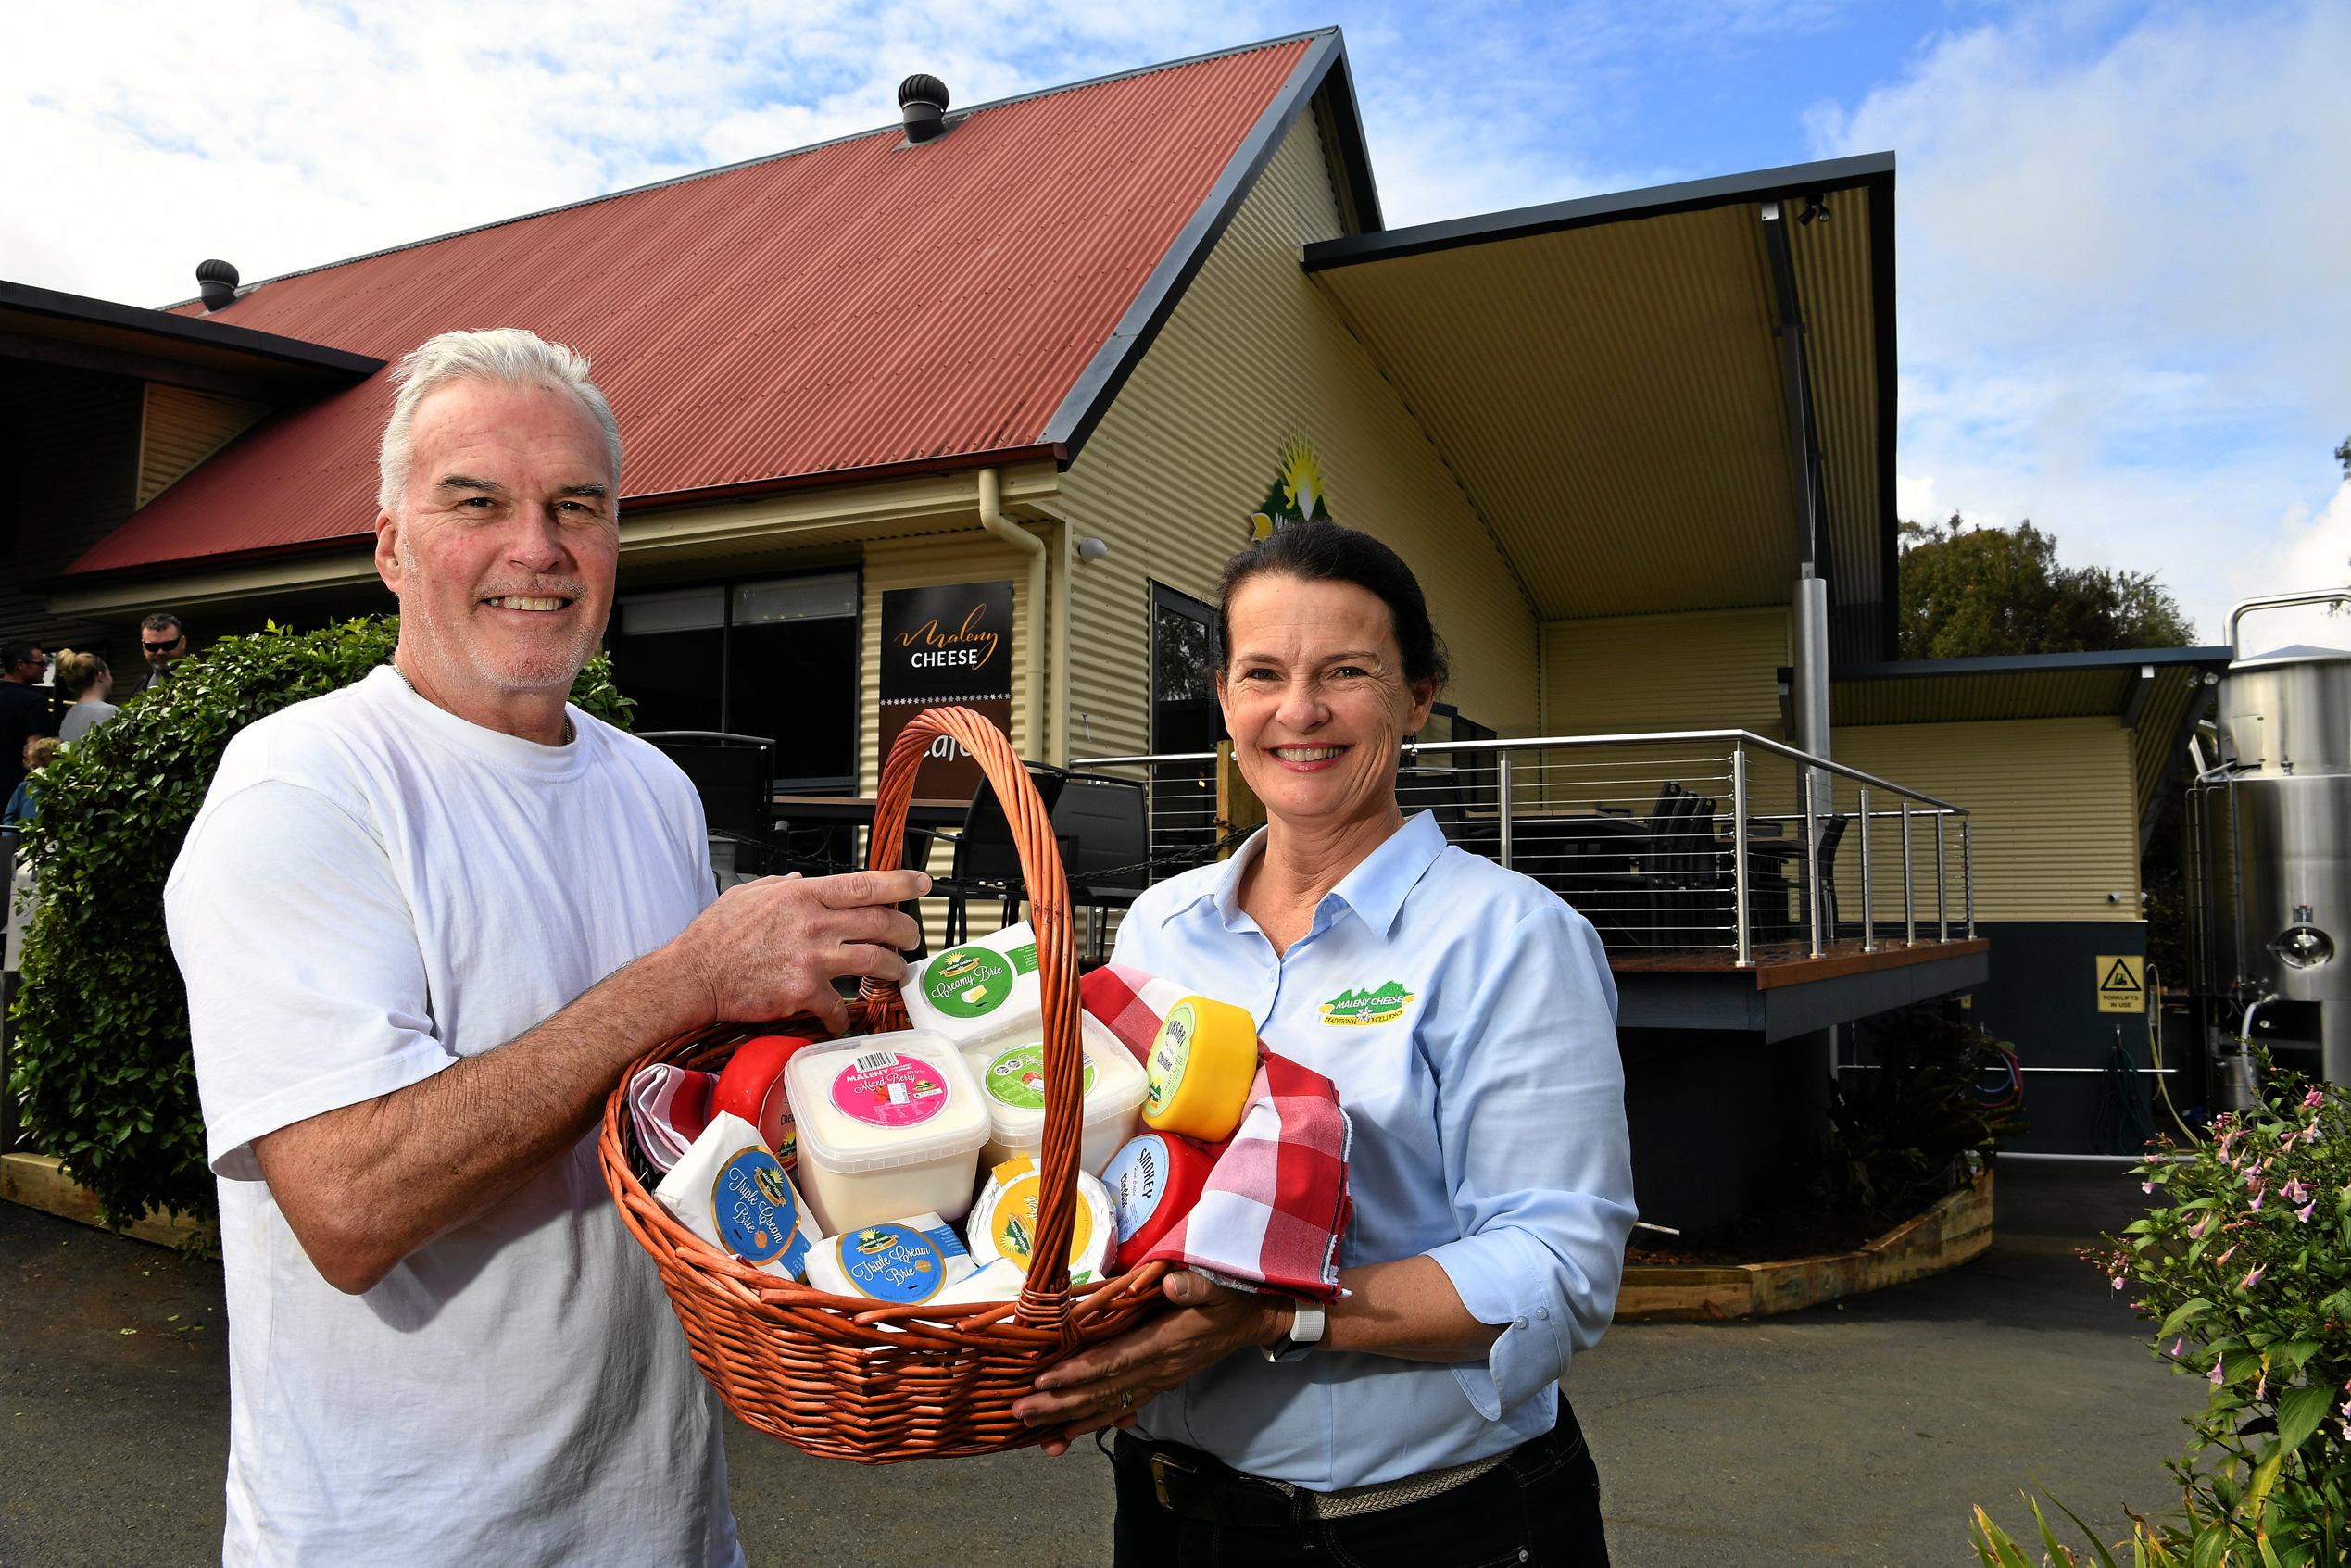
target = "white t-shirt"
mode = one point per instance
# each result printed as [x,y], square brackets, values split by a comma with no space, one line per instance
[373,888]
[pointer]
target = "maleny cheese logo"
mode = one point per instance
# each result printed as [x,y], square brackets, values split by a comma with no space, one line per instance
[1382,1006]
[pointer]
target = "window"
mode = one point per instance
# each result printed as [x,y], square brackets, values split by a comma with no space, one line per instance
[1184,718]
[775,657]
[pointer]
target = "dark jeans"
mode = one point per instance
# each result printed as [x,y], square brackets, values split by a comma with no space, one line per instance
[1540,1507]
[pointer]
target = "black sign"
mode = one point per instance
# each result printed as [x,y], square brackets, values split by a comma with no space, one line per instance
[948,646]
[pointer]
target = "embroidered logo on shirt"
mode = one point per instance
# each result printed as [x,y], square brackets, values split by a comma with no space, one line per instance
[1382,1006]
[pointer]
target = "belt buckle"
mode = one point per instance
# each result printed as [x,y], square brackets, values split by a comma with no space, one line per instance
[1161,1464]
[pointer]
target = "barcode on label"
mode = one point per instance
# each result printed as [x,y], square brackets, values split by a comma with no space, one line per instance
[873,1061]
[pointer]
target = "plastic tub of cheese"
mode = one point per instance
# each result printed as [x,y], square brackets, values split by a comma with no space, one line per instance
[986,989]
[888,1125]
[1011,1080]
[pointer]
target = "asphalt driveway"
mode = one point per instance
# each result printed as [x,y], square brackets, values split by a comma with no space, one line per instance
[1857,1436]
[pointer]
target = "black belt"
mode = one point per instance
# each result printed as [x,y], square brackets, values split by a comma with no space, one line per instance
[1197,1486]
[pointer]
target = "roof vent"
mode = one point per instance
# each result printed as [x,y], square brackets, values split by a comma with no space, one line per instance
[923,101]
[216,281]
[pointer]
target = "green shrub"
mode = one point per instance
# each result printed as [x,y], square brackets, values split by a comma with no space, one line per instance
[2244,1265]
[1933,1113]
[102,1066]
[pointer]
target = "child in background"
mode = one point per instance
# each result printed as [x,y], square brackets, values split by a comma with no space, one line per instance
[21,805]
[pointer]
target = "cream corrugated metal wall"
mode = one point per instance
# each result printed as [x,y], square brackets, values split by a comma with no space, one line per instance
[2049,799]
[1253,354]
[1711,670]
[179,429]
[1706,670]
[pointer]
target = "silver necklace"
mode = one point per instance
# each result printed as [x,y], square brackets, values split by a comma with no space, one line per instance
[567,734]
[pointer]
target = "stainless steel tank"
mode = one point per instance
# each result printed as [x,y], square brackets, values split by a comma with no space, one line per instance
[2271,848]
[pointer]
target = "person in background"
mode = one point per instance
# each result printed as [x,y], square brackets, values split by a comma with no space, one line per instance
[25,799]
[25,711]
[87,684]
[165,642]
[1418,1418]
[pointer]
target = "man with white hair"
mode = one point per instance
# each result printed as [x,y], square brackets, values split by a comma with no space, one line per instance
[425,923]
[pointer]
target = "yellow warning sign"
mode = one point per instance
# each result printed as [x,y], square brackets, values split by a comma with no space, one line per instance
[2123,982]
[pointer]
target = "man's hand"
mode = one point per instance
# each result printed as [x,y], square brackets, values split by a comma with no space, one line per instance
[1103,1387]
[772,948]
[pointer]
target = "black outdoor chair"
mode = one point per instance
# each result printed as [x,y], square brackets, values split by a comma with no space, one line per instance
[984,864]
[1104,828]
[734,776]
[1777,867]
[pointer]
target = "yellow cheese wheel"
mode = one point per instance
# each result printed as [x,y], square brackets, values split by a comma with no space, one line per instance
[1201,1064]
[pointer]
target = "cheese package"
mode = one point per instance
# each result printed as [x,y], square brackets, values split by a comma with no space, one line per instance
[729,1189]
[901,1262]
[1153,1180]
[1000,1281]
[985,989]
[1201,1063]
[753,1088]
[1012,1079]
[1003,1222]
[888,1125]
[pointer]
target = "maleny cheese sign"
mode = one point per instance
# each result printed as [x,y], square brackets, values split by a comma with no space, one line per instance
[946,647]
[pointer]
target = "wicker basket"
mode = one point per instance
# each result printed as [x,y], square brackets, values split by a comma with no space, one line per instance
[839,1376]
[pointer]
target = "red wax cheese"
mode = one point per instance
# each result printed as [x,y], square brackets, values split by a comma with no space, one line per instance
[753,1088]
[1153,1182]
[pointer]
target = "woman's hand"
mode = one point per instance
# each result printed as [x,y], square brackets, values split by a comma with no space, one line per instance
[1105,1386]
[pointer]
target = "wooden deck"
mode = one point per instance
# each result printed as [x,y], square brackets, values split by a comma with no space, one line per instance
[1793,963]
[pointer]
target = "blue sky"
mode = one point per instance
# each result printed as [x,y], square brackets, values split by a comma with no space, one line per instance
[2125,310]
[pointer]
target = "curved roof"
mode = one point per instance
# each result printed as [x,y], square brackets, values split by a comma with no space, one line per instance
[858,308]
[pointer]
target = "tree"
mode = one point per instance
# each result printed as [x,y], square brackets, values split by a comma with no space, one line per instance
[1969,593]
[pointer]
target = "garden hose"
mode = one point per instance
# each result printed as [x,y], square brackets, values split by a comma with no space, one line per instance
[2121,1114]
[2155,1049]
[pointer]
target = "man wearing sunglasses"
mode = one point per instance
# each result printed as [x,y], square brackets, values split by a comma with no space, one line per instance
[165,642]
[25,710]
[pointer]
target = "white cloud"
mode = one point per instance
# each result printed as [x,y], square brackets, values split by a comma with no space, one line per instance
[2124,309]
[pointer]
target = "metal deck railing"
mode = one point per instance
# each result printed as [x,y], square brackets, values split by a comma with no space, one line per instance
[1668,842]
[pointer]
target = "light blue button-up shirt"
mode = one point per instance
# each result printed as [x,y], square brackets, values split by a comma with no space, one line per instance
[1470,1020]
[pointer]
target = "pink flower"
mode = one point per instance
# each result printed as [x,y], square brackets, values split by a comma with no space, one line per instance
[2214,1377]
[2261,1383]
[2314,1099]
[2303,1213]
[2295,1192]
[2181,1343]
[2118,1282]
[2146,1186]
[2195,1232]
[2225,1256]
[2255,1205]
[2251,1278]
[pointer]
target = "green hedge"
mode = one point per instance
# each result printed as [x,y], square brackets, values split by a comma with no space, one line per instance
[102,1067]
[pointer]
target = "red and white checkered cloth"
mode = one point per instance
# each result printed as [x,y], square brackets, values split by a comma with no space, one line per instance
[1275,1204]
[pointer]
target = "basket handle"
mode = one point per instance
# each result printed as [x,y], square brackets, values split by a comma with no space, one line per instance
[1044,1301]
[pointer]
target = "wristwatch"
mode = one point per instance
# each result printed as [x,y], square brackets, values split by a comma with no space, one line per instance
[1306,1332]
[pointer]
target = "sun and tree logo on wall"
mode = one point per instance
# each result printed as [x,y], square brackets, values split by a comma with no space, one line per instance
[1297,495]
[1382,1006]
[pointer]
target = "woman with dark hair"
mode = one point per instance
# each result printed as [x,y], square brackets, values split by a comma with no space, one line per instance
[1417,1418]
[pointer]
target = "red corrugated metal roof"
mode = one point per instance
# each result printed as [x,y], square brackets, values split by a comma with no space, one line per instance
[856,306]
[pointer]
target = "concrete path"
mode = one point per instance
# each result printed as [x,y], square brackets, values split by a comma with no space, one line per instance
[1831,1437]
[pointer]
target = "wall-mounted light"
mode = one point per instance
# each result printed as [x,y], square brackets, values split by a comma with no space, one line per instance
[1090,549]
[1815,208]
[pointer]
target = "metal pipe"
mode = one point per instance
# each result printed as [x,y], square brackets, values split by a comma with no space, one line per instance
[1563,743]
[1869,925]
[1942,880]
[1502,804]
[1967,873]
[2279,601]
[1738,853]
[991,516]
[1812,863]
[1909,885]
